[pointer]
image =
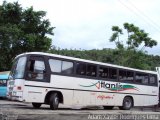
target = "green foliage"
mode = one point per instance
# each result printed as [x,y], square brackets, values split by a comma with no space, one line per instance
[131,55]
[21,30]
[136,37]
[133,59]
[115,37]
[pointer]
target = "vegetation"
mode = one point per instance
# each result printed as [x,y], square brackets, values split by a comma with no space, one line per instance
[21,30]
[113,56]
[135,38]
[25,30]
[132,53]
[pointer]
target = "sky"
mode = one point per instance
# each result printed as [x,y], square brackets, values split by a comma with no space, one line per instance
[86,24]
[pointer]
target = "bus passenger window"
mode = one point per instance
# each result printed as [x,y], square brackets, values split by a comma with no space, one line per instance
[91,70]
[138,78]
[122,75]
[130,76]
[112,73]
[145,79]
[81,68]
[141,78]
[55,65]
[103,72]
[67,67]
[153,80]
[126,76]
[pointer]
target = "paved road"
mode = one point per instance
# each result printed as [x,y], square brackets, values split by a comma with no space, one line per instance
[11,110]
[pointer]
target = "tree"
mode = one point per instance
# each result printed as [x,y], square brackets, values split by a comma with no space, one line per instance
[135,38]
[115,37]
[22,30]
[132,55]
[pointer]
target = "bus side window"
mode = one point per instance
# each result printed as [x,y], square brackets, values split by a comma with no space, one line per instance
[138,78]
[55,65]
[36,69]
[122,75]
[67,67]
[91,70]
[81,68]
[103,72]
[153,80]
[145,79]
[142,78]
[130,76]
[126,76]
[112,73]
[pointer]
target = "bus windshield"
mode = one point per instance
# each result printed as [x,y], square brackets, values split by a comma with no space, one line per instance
[18,68]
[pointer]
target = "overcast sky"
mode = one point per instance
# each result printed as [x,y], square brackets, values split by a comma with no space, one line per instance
[87,24]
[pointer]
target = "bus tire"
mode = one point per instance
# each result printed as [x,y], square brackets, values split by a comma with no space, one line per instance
[108,107]
[36,105]
[127,104]
[54,101]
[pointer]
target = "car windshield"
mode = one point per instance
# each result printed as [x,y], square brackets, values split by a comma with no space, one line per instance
[18,68]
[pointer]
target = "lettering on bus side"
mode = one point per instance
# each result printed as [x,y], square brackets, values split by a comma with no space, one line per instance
[111,86]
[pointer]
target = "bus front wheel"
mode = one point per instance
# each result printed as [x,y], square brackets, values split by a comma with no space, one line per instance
[127,104]
[36,105]
[54,101]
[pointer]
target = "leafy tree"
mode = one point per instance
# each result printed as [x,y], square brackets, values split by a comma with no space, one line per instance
[131,55]
[116,37]
[22,30]
[136,37]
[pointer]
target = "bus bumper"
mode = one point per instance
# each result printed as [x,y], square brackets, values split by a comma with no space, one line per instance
[17,96]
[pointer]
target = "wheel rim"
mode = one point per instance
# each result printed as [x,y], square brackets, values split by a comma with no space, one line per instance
[56,100]
[127,103]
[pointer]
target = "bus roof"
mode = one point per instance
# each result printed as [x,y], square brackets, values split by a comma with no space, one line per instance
[89,61]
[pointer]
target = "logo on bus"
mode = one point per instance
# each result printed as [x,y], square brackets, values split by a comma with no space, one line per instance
[111,87]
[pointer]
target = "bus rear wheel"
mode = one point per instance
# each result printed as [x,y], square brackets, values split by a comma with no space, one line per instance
[54,101]
[36,105]
[127,104]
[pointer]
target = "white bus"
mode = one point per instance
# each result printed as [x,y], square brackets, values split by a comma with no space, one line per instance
[43,78]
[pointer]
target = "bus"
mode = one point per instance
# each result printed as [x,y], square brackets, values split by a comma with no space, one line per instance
[44,78]
[3,85]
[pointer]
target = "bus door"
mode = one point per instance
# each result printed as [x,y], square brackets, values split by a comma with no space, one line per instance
[35,75]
